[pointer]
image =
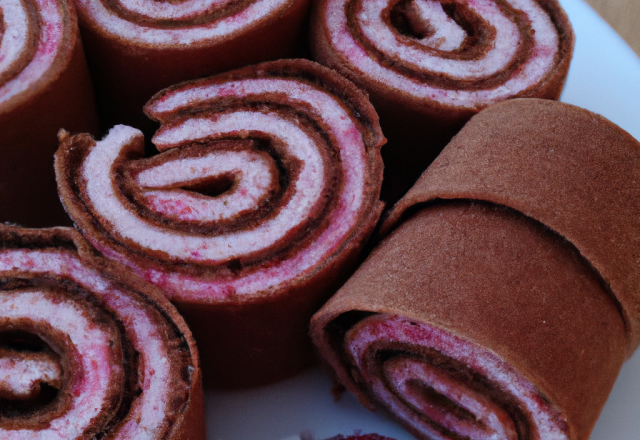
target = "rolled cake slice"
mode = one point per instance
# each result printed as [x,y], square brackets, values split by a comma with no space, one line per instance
[88,350]
[506,300]
[251,217]
[136,48]
[44,85]
[429,65]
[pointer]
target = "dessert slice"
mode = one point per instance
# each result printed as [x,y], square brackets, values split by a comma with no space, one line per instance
[136,48]
[251,217]
[88,350]
[429,65]
[506,299]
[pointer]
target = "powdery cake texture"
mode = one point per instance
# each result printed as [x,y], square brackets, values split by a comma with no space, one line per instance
[492,311]
[429,65]
[44,85]
[298,148]
[568,168]
[109,355]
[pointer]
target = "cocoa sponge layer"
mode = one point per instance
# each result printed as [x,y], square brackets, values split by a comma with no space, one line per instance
[484,312]
[253,214]
[44,85]
[88,350]
[137,48]
[568,168]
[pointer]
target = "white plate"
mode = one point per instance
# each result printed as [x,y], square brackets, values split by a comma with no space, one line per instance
[604,78]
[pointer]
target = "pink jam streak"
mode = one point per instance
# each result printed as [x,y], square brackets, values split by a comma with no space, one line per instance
[403,371]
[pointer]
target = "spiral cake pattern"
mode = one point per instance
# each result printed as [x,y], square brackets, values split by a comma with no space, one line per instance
[460,327]
[33,36]
[268,178]
[463,55]
[179,23]
[87,351]
[429,65]
[421,391]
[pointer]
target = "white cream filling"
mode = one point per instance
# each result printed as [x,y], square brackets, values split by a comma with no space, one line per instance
[91,385]
[252,176]
[494,369]
[159,10]
[16,32]
[51,32]
[447,34]
[501,55]
[195,248]
[534,69]
[20,374]
[147,413]
[106,19]
[491,421]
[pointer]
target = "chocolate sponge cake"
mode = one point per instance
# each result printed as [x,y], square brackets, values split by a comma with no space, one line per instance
[505,298]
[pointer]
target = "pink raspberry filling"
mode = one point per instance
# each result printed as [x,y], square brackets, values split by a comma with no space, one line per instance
[146,418]
[425,394]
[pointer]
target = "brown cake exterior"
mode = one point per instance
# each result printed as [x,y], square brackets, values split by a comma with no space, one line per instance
[134,54]
[483,312]
[44,86]
[568,168]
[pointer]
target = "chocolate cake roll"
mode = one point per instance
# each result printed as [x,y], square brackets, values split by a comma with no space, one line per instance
[251,217]
[136,48]
[44,85]
[87,350]
[429,65]
[506,300]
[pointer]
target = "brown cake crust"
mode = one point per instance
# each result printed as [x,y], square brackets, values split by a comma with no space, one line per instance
[249,335]
[186,404]
[128,73]
[495,278]
[568,168]
[29,123]
[419,127]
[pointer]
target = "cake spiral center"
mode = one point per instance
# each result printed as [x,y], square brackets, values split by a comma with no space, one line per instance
[432,25]
[217,186]
[446,401]
[27,374]
[446,387]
